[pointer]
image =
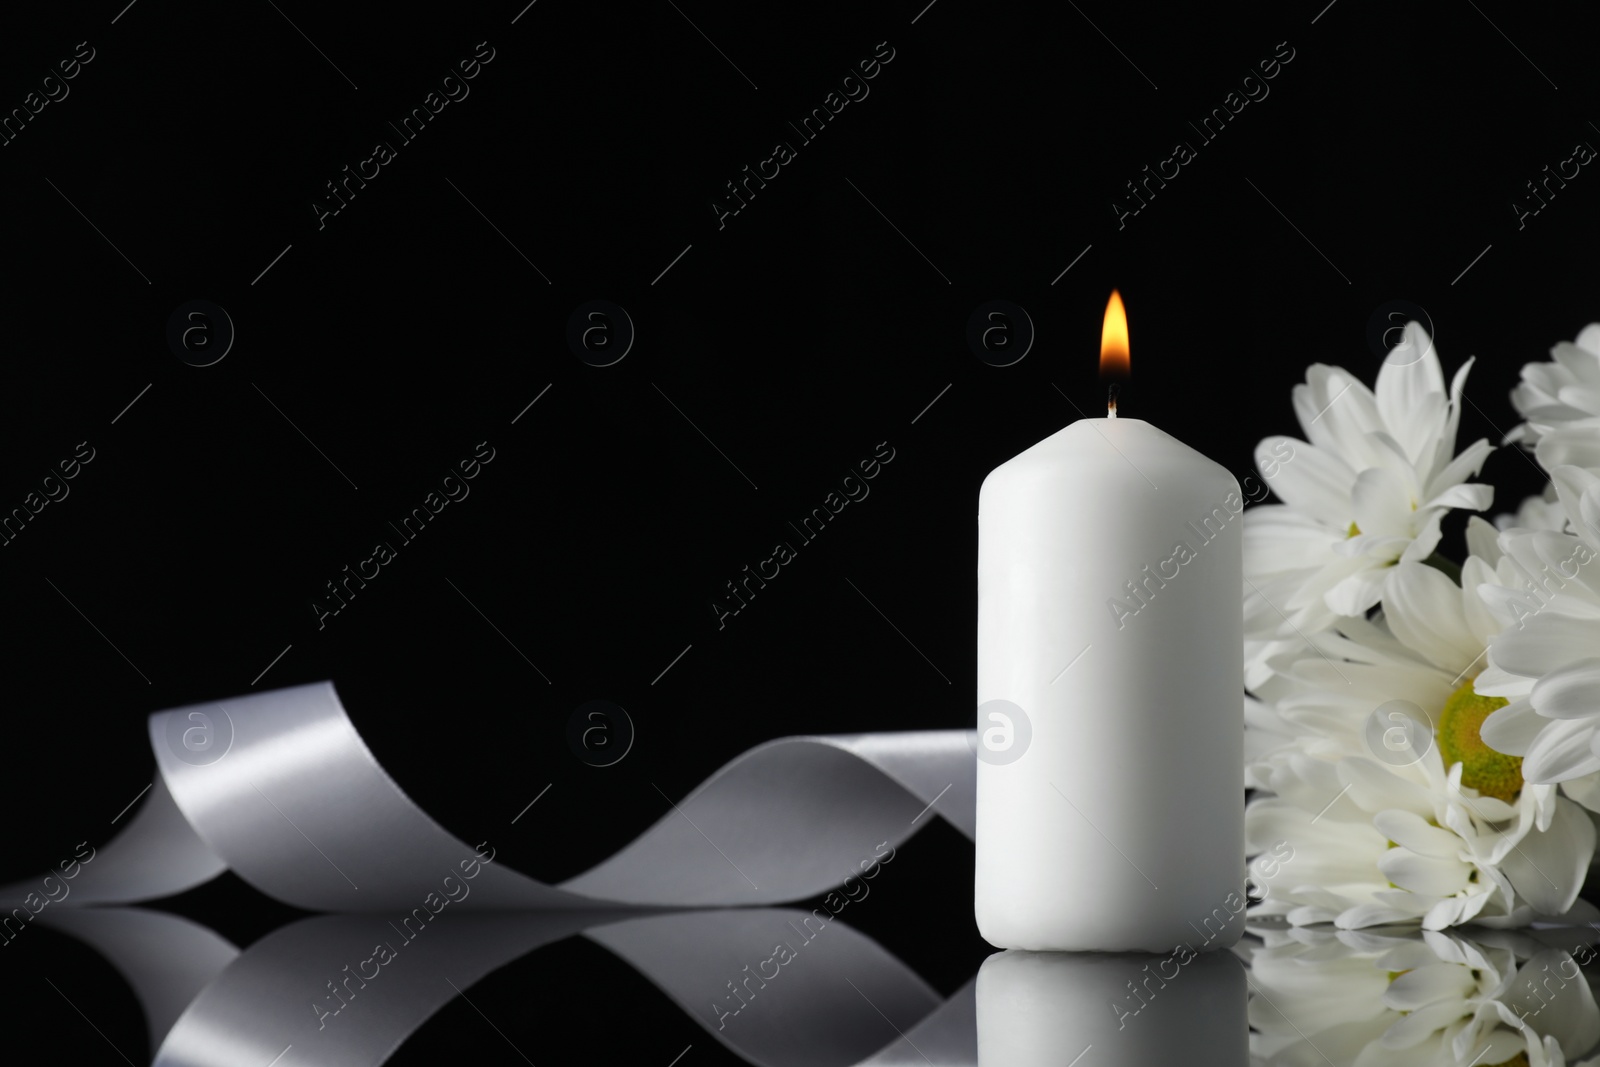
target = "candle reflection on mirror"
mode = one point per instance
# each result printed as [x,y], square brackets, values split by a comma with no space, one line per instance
[1130,1009]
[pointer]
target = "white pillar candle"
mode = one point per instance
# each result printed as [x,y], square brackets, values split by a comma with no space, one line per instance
[1110,681]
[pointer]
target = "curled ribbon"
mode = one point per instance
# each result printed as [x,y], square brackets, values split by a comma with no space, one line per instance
[285,794]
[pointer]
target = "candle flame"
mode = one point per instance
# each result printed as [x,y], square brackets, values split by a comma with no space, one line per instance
[1114,360]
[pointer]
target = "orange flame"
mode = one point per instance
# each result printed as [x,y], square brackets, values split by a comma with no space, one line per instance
[1114,339]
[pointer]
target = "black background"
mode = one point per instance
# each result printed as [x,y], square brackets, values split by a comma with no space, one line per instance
[818,322]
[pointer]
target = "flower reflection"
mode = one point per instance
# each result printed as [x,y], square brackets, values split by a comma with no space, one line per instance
[1420,998]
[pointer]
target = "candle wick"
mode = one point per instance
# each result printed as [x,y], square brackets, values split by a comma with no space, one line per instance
[1111,401]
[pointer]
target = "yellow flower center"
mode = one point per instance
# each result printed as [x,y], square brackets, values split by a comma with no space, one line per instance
[1519,1060]
[1491,773]
[1354,529]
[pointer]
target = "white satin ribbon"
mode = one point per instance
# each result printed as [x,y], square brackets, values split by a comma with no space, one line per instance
[298,807]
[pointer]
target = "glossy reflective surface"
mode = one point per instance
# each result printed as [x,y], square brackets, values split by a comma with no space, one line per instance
[784,987]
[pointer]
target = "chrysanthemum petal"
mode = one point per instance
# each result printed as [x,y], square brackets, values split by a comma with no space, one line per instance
[1278,538]
[1315,482]
[1473,496]
[1511,729]
[1421,1025]
[1425,985]
[1409,830]
[1572,692]
[1424,874]
[1423,608]
[1548,869]
[1426,539]
[1355,594]
[1462,467]
[1336,411]
[1568,446]
[1483,540]
[1562,750]
[1410,372]
[1585,790]
[1380,503]
[1375,787]
[1545,644]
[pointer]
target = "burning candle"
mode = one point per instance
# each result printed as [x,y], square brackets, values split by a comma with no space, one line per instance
[1110,681]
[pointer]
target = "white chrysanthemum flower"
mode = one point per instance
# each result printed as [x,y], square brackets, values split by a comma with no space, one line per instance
[1366,490]
[1380,1000]
[1447,837]
[1546,662]
[1542,512]
[1385,849]
[1561,394]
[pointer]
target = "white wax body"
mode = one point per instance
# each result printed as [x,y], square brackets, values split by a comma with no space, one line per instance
[1121,825]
